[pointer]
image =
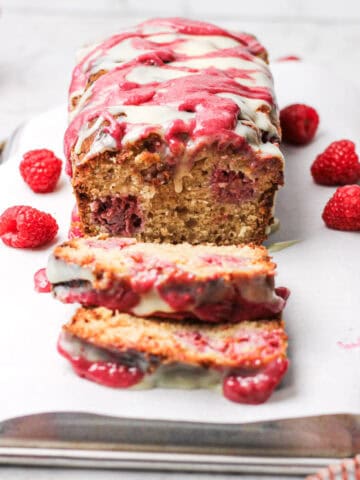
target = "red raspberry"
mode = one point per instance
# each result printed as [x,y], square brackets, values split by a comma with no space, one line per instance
[342,212]
[255,388]
[337,165]
[41,170]
[26,227]
[298,123]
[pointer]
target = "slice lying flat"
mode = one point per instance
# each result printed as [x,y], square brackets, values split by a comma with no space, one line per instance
[119,350]
[203,282]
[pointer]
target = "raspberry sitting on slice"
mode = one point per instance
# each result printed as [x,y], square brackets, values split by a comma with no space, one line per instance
[299,123]
[254,388]
[337,165]
[26,227]
[41,170]
[342,212]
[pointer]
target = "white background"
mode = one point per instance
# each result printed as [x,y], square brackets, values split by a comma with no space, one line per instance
[38,39]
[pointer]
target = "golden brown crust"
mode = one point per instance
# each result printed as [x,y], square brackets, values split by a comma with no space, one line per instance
[246,344]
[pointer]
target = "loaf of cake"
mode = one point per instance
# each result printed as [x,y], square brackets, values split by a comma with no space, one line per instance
[174,135]
[119,350]
[204,282]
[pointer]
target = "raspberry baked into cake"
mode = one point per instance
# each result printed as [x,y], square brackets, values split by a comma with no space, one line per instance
[203,282]
[174,135]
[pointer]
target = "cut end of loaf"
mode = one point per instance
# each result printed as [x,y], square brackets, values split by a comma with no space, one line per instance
[222,200]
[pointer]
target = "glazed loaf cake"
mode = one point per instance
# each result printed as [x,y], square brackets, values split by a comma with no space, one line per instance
[203,282]
[174,135]
[118,350]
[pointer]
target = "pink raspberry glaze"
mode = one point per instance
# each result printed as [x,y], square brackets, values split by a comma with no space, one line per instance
[110,374]
[237,311]
[199,92]
[289,58]
[215,116]
[119,298]
[41,283]
[222,260]
[188,299]
[75,225]
[109,243]
[82,71]
[249,386]
[283,292]
[254,386]
[181,298]
[198,297]
[75,214]
[75,231]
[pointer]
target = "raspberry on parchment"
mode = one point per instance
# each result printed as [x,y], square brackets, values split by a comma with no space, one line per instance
[41,170]
[26,227]
[337,165]
[342,212]
[299,123]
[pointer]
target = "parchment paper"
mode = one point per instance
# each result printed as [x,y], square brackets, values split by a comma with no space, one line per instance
[322,271]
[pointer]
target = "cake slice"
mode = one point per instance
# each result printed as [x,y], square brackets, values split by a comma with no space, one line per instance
[119,350]
[174,135]
[203,282]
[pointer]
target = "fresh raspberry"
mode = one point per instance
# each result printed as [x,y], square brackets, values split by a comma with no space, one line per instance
[298,123]
[342,212]
[255,388]
[26,227]
[337,165]
[41,170]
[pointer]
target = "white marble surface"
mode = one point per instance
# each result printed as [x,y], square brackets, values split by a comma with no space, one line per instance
[37,44]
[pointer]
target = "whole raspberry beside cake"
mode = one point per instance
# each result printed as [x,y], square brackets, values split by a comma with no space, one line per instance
[174,135]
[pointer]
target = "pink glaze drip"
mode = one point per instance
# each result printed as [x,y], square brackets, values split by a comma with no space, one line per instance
[211,300]
[254,386]
[110,374]
[120,298]
[75,214]
[195,27]
[179,25]
[223,260]
[41,283]
[248,386]
[110,243]
[75,230]
[349,345]
[289,58]
[215,117]
[188,300]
